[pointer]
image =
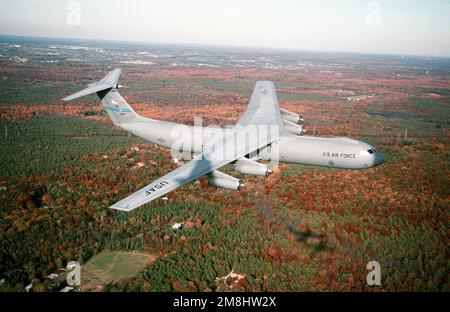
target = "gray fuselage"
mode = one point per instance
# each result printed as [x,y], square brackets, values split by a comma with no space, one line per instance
[339,152]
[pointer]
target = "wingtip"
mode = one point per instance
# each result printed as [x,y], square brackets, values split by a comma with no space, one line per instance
[117,71]
[120,208]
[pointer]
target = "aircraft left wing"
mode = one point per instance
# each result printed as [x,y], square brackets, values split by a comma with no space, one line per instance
[258,127]
[202,164]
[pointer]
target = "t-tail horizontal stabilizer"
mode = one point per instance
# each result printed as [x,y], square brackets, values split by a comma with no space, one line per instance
[108,82]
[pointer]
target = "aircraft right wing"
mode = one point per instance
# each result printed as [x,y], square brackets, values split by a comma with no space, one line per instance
[263,108]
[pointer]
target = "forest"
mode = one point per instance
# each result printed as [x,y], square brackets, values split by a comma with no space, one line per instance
[301,229]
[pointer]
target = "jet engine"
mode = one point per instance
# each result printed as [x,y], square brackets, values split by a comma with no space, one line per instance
[250,167]
[225,181]
[293,128]
[292,117]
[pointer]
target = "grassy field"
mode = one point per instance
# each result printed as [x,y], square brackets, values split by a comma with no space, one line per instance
[112,266]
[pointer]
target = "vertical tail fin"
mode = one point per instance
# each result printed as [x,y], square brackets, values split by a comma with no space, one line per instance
[107,89]
[117,108]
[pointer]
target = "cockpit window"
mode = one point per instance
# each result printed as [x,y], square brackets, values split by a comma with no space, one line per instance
[371,150]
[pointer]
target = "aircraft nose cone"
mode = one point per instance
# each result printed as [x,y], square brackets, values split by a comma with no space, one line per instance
[378,159]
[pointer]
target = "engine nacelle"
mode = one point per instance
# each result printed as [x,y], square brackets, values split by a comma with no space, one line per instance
[290,116]
[250,167]
[225,181]
[293,128]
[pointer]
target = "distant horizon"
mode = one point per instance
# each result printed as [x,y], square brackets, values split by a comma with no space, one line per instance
[217,46]
[381,27]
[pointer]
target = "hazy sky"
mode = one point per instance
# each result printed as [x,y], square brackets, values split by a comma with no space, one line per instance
[390,26]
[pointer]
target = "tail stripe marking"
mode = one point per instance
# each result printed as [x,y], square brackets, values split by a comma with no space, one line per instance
[121,110]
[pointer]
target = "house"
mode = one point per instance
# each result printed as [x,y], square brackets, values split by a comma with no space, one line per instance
[177,226]
[52,276]
[67,289]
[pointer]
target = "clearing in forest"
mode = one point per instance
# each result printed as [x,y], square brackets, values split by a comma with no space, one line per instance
[109,266]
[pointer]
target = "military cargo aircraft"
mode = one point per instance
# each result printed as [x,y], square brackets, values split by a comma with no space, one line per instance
[265,132]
